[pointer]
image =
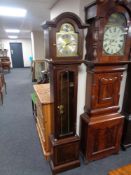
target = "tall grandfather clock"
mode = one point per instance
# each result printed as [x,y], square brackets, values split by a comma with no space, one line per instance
[126,108]
[108,47]
[64,52]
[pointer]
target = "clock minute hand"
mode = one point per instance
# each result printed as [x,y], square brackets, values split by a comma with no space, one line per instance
[67,43]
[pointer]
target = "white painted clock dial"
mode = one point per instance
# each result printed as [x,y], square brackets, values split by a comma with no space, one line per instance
[113,40]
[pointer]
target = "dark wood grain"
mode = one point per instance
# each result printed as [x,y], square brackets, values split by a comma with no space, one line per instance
[63,84]
[101,123]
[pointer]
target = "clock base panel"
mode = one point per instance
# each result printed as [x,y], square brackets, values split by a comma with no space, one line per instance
[100,136]
[64,154]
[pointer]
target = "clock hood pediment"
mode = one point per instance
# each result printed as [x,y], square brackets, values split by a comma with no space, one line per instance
[64,38]
[67,16]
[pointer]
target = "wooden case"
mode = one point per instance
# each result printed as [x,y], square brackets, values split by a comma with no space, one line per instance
[102,124]
[63,68]
[65,153]
[101,136]
[126,110]
[44,107]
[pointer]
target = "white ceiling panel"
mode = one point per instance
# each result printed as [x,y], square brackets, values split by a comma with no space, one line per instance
[37,12]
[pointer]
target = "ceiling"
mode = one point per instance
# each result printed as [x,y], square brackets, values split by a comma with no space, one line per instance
[37,12]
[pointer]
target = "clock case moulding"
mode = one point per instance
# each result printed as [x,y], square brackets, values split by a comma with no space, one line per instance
[64,149]
[102,123]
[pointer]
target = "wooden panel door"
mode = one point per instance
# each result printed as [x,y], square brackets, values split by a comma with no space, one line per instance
[17,55]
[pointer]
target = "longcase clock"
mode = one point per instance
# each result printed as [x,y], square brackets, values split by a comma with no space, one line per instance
[126,108]
[107,54]
[64,47]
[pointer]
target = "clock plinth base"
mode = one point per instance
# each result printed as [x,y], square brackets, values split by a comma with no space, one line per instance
[65,154]
[100,136]
[64,167]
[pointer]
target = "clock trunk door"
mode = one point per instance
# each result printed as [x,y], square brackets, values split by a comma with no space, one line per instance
[66,103]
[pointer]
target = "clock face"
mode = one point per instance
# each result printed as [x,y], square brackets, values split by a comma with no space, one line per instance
[113,42]
[66,41]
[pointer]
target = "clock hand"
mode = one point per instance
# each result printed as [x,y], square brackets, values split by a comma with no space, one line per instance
[68,43]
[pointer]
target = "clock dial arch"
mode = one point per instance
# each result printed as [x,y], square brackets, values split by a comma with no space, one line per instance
[66,41]
[114,35]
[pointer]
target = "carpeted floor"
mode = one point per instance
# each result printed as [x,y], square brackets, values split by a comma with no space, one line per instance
[20,150]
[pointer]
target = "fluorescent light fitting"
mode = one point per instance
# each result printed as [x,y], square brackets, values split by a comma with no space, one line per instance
[12,30]
[13,37]
[12,12]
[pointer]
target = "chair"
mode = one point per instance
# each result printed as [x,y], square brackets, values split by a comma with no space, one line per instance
[1,89]
[2,86]
[5,62]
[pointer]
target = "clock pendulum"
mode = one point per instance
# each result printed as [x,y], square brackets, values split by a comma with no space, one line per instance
[107,55]
[64,53]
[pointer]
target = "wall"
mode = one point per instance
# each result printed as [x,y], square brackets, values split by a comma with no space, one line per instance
[65,6]
[75,6]
[83,4]
[37,40]
[26,46]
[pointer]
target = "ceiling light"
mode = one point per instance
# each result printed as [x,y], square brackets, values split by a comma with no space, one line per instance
[12,30]
[12,12]
[13,37]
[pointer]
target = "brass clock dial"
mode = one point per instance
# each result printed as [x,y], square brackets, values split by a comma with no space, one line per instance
[66,41]
[113,42]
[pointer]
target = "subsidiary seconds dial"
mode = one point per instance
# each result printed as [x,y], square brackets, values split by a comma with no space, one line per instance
[113,42]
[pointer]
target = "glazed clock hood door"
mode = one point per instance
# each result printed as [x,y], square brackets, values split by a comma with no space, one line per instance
[114,35]
[65,107]
[66,41]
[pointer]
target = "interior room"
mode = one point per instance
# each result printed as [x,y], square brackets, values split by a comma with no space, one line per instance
[65,94]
